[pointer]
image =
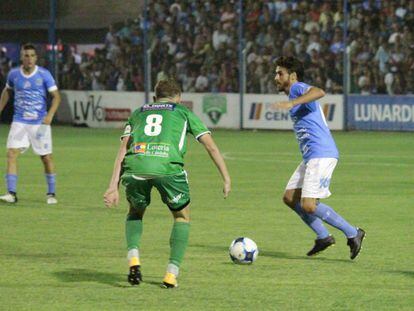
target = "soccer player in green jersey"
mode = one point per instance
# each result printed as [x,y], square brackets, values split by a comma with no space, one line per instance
[152,155]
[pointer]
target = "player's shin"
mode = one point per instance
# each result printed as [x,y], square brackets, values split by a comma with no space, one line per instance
[133,232]
[312,221]
[328,215]
[11,181]
[51,183]
[178,244]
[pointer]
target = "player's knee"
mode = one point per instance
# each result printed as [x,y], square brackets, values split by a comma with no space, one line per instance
[46,157]
[12,154]
[135,214]
[309,206]
[288,200]
[182,215]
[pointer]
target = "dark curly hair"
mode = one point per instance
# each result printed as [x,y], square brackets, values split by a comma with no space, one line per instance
[292,64]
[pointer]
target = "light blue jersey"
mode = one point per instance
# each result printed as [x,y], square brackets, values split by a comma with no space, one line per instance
[30,94]
[312,132]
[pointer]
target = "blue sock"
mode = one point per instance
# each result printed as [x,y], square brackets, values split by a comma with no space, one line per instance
[51,183]
[312,221]
[328,215]
[11,181]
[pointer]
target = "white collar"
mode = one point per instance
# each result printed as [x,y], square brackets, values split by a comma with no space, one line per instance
[30,75]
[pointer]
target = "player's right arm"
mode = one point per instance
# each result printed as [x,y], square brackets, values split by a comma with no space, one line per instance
[312,94]
[218,160]
[111,196]
[5,96]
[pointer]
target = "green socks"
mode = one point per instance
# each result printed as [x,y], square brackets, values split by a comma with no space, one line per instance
[178,242]
[178,239]
[133,232]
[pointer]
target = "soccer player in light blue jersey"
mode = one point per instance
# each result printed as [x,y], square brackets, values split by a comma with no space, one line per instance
[31,120]
[310,182]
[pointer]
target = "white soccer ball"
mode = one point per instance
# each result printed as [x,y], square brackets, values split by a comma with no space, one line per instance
[243,251]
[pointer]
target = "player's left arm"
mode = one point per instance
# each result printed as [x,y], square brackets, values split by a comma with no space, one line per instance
[111,195]
[314,93]
[218,160]
[53,107]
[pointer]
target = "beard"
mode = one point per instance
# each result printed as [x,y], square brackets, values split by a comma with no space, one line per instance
[282,86]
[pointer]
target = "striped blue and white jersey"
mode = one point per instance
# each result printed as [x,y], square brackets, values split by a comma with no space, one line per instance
[312,132]
[30,94]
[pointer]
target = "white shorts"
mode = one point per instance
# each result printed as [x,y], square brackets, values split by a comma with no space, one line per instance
[22,135]
[313,178]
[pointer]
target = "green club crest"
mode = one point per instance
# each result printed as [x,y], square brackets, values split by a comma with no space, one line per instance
[214,106]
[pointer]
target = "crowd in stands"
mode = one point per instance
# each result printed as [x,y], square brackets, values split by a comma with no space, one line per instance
[197,42]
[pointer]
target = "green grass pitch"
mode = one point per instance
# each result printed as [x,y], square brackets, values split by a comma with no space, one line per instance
[72,256]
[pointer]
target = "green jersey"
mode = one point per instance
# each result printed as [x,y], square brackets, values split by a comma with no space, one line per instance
[157,142]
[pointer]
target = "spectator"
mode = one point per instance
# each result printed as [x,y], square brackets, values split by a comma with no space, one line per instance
[110,37]
[396,34]
[219,36]
[314,44]
[201,84]
[194,39]
[4,59]
[228,16]
[382,56]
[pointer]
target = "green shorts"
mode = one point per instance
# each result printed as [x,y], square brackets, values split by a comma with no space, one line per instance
[173,189]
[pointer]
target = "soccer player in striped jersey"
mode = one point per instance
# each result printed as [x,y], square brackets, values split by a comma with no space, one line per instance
[310,181]
[31,121]
[151,154]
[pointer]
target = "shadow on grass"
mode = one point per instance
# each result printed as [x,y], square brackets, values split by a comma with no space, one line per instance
[274,254]
[403,272]
[111,279]
[282,255]
[87,275]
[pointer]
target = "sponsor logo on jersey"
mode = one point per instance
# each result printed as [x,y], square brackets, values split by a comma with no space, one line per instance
[150,107]
[140,148]
[152,149]
[158,150]
[214,106]
[27,85]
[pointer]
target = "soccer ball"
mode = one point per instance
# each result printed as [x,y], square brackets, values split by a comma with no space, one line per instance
[243,251]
